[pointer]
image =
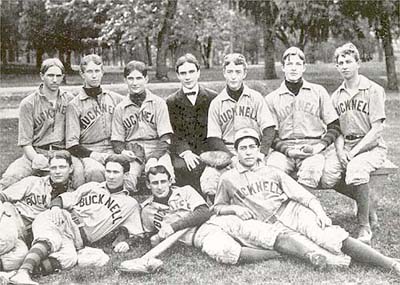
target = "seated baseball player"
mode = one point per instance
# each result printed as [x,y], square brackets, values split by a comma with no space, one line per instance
[89,118]
[278,213]
[141,128]
[360,104]
[41,127]
[306,122]
[23,201]
[188,111]
[82,217]
[236,107]
[171,209]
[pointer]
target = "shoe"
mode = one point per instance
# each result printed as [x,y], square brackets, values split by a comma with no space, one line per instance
[5,276]
[365,234]
[22,277]
[318,260]
[338,260]
[373,220]
[396,267]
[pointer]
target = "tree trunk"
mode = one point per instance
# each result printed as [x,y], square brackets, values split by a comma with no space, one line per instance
[209,52]
[39,56]
[68,68]
[162,41]
[389,55]
[269,52]
[148,52]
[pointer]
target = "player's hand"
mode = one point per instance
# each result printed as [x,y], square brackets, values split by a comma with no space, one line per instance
[344,157]
[165,231]
[191,160]
[98,156]
[122,246]
[243,212]
[129,154]
[299,153]
[317,148]
[40,162]
[323,220]
[154,240]
[56,216]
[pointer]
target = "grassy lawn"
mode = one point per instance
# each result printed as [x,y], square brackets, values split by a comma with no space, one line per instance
[186,265]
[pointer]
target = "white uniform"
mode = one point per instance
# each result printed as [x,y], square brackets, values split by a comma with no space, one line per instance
[91,212]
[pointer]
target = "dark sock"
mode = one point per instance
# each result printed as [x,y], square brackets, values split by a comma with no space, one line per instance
[361,195]
[39,251]
[248,254]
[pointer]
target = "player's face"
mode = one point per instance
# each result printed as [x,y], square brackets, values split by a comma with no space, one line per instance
[92,75]
[60,170]
[52,78]
[188,75]
[159,184]
[293,68]
[347,66]
[114,175]
[234,75]
[248,152]
[136,82]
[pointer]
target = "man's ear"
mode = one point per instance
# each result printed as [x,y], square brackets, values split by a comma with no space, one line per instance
[147,184]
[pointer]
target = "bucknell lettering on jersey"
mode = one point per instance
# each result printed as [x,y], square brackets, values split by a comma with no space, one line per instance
[93,114]
[227,115]
[109,202]
[49,114]
[144,116]
[353,105]
[36,199]
[246,111]
[298,105]
[257,187]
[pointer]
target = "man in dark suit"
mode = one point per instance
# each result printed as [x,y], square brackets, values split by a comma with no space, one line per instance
[188,111]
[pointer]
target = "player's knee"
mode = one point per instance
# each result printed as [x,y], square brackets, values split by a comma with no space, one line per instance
[14,258]
[221,247]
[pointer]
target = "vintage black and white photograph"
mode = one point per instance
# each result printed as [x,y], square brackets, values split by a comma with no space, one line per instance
[199,142]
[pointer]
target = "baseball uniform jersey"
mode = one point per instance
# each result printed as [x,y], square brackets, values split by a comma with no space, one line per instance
[89,120]
[278,200]
[225,115]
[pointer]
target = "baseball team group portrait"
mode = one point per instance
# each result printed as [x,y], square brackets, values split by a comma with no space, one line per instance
[199,142]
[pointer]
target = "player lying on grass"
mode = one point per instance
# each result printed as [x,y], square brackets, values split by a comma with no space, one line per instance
[306,122]
[23,201]
[41,126]
[82,217]
[360,104]
[88,119]
[279,208]
[141,128]
[171,209]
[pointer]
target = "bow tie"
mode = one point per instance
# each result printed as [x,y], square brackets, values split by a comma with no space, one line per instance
[190,93]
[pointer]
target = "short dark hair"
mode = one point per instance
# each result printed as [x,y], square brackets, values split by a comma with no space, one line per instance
[120,159]
[237,142]
[236,58]
[190,58]
[50,62]
[135,65]
[60,154]
[90,58]
[347,49]
[157,169]
[292,51]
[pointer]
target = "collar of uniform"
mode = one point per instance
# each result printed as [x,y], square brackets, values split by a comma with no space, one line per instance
[364,84]
[195,89]
[104,186]
[283,90]
[150,97]
[82,94]
[241,169]
[39,91]
[225,96]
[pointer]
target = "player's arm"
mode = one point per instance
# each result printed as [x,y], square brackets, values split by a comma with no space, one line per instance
[17,191]
[370,140]
[332,133]
[268,136]
[267,125]
[25,129]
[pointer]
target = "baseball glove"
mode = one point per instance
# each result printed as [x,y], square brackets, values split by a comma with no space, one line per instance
[140,265]
[217,159]
[138,150]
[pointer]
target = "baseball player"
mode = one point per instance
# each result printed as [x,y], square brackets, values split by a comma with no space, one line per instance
[41,126]
[141,128]
[277,206]
[236,107]
[306,122]
[188,110]
[22,202]
[82,217]
[171,209]
[360,104]
[88,119]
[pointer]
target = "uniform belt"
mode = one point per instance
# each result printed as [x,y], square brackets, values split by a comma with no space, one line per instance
[353,137]
[303,138]
[272,220]
[80,225]
[50,147]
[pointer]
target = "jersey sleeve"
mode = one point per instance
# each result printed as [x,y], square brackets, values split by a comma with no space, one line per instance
[117,127]
[377,104]
[163,120]
[148,216]
[72,126]
[19,190]
[25,123]
[193,198]
[293,189]
[328,112]
[133,222]
[70,199]
[269,101]
[222,197]
[264,114]
[214,124]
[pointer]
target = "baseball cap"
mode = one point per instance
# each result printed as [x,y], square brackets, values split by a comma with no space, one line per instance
[244,133]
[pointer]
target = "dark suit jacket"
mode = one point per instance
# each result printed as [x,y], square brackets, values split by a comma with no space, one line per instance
[190,122]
